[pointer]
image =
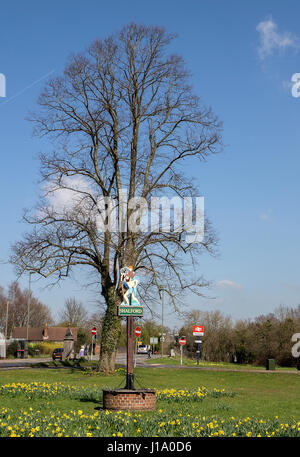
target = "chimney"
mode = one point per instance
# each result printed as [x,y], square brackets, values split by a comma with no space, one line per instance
[45,332]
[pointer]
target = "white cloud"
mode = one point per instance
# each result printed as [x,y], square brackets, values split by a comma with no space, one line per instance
[69,195]
[265,216]
[76,194]
[228,284]
[271,40]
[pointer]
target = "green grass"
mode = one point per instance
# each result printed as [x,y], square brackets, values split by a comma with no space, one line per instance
[258,394]
[66,376]
[29,411]
[262,395]
[203,363]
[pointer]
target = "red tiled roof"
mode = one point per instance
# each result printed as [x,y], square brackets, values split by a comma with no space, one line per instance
[36,333]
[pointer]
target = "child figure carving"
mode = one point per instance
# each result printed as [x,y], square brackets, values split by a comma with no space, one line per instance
[129,285]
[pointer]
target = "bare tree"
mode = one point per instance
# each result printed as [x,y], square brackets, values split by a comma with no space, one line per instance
[122,116]
[39,313]
[74,313]
[217,341]
[3,310]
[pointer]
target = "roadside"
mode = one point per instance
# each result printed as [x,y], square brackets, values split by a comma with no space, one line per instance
[175,362]
[157,365]
[6,364]
[155,362]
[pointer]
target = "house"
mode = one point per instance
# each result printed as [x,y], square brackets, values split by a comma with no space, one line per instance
[40,334]
[2,346]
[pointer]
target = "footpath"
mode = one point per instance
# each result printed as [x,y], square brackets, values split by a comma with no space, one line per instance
[8,364]
[157,365]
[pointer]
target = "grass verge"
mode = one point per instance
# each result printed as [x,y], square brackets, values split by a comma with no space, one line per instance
[71,402]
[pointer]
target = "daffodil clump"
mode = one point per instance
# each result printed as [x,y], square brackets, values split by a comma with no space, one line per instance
[209,364]
[45,390]
[185,395]
[33,423]
[56,390]
[168,422]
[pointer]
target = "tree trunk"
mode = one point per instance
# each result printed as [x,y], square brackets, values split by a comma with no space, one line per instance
[110,333]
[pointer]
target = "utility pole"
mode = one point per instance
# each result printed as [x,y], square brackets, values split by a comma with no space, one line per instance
[7,303]
[162,323]
[92,347]
[135,351]
[13,308]
[130,364]
[130,305]
[29,302]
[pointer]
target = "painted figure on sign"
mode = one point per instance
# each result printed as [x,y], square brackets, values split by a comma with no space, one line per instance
[129,284]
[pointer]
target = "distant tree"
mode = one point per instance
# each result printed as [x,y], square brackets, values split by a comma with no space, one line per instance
[3,308]
[242,342]
[82,338]
[148,327]
[73,313]
[94,320]
[272,333]
[216,342]
[39,313]
[76,315]
[263,339]
[285,331]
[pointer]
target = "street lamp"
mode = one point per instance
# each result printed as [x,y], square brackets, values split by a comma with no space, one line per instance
[29,301]
[162,321]
[6,322]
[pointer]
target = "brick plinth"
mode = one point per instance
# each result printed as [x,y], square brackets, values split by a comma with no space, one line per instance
[139,399]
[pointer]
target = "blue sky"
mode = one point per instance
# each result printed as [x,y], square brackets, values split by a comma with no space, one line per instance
[242,56]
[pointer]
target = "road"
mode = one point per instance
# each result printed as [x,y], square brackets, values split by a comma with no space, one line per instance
[8,364]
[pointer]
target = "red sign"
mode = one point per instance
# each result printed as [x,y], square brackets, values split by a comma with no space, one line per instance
[182,341]
[138,332]
[94,331]
[198,330]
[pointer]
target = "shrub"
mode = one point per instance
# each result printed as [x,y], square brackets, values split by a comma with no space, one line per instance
[12,349]
[32,349]
[47,347]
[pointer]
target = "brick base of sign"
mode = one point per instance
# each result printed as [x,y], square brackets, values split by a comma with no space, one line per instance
[138,400]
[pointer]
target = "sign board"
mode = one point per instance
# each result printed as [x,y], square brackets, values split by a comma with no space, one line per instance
[198,330]
[153,340]
[124,310]
[94,331]
[182,341]
[138,332]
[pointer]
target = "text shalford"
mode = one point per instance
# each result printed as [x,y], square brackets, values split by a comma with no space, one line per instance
[130,310]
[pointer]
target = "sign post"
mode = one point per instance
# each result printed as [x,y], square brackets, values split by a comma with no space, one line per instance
[153,341]
[198,330]
[182,342]
[130,307]
[94,333]
[130,375]
[137,333]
